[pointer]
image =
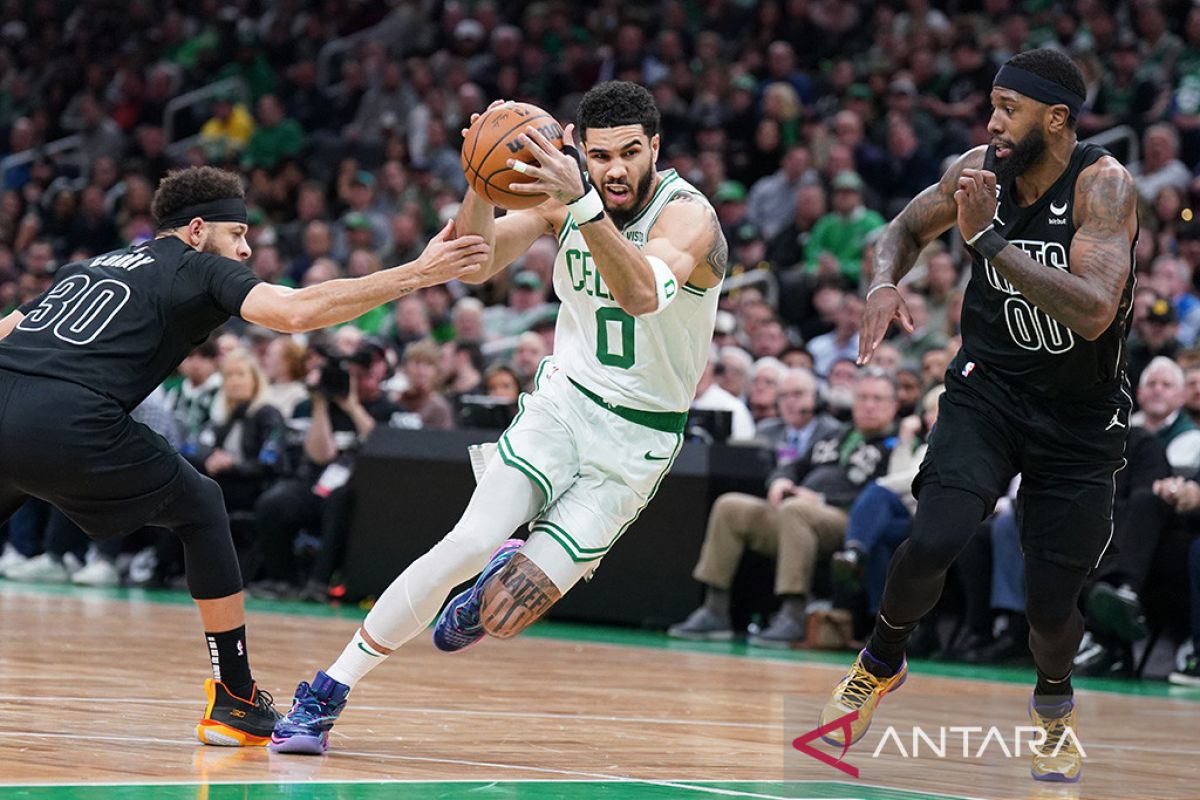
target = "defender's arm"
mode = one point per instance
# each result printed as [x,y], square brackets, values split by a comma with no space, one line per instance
[8,323]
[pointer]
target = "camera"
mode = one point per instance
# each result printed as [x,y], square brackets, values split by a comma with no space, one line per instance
[333,376]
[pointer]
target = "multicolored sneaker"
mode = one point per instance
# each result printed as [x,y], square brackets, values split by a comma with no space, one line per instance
[1057,758]
[305,728]
[861,690]
[231,721]
[458,627]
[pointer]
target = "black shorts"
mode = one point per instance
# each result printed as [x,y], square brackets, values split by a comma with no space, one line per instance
[1067,452]
[81,452]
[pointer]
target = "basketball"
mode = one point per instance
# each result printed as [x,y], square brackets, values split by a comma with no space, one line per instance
[496,137]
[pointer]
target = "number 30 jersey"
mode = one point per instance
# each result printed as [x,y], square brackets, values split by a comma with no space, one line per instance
[120,323]
[1012,337]
[651,363]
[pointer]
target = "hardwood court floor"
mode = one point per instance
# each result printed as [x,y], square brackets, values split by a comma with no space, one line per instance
[100,690]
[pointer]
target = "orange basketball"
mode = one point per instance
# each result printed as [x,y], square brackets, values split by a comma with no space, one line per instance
[496,137]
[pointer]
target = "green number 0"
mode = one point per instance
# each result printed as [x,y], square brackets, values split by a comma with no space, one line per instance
[624,359]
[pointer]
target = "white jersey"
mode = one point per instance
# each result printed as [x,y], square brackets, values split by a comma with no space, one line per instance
[650,363]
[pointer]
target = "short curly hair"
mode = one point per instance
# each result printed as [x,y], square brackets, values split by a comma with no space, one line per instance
[187,187]
[615,103]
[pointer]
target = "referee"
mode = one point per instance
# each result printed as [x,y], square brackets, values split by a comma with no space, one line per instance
[75,360]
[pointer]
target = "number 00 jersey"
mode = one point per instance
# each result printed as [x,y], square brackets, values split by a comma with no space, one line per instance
[1011,336]
[120,323]
[651,363]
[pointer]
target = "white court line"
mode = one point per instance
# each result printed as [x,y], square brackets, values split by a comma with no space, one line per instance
[419,710]
[577,775]
[562,717]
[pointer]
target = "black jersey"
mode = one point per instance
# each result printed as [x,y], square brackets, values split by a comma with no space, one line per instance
[120,323]
[1012,337]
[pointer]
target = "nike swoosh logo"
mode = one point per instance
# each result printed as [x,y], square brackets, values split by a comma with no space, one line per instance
[369,652]
[1058,211]
[650,457]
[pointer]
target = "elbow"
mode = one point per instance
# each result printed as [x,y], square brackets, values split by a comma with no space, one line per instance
[1099,322]
[639,304]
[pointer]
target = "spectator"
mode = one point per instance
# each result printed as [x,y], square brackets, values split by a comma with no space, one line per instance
[425,406]
[803,517]
[192,399]
[1160,165]
[787,249]
[763,398]
[772,200]
[798,425]
[528,355]
[1160,402]
[838,238]
[503,382]
[275,138]
[710,396]
[284,368]
[842,341]
[225,135]
[1155,334]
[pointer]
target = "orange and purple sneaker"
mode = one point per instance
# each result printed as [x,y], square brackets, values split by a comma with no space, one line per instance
[232,721]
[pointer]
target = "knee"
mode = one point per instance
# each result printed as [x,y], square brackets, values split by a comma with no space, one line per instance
[930,554]
[1049,619]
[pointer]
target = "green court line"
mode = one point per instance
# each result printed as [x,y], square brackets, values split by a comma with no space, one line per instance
[632,637]
[486,790]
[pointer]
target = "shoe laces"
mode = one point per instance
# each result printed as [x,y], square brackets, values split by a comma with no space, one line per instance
[1056,728]
[860,687]
[264,700]
[308,708]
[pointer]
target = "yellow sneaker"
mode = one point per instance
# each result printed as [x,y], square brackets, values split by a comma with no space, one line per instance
[1059,757]
[861,690]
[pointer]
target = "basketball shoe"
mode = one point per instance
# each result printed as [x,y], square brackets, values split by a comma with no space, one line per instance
[459,625]
[861,690]
[1058,757]
[316,706]
[232,721]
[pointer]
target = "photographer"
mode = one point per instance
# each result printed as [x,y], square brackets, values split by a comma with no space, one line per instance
[346,402]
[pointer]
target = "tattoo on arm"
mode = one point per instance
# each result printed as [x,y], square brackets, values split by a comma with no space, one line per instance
[927,216]
[1086,298]
[517,597]
[718,251]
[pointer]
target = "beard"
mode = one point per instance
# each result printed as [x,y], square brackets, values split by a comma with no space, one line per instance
[209,246]
[1022,156]
[620,216]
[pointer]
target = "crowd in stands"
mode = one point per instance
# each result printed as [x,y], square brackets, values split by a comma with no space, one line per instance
[808,124]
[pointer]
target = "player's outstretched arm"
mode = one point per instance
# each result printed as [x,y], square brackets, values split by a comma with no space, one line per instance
[295,310]
[1086,298]
[926,217]
[8,323]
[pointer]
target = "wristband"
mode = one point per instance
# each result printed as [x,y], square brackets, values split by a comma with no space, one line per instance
[875,289]
[971,242]
[989,243]
[588,208]
[665,284]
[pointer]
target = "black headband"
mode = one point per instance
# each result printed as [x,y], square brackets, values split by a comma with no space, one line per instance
[1038,88]
[229,209]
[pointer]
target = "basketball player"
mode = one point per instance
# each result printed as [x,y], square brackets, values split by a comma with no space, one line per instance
[75,360]
[640,261]
[1038,388]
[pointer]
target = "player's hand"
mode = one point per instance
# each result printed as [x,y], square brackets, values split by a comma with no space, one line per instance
[555,173]
[883,306]
[779,490]
[976,199]
[446,258]
[474,117]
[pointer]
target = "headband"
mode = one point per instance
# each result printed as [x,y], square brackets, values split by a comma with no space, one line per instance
[228,209]
[1038,88]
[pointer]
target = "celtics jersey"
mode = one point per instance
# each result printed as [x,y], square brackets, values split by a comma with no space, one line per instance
[651,363]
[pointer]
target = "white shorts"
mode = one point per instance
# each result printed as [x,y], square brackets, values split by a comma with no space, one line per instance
[596,469]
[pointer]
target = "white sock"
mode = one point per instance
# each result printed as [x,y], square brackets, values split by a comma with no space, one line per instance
[356,661]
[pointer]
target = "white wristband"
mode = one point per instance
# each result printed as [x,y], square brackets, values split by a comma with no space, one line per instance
[666,285]
[971,242]
[586,208]
[875,289]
